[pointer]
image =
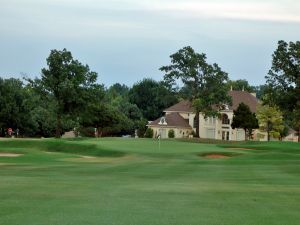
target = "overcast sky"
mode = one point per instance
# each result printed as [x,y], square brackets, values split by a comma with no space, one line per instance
[127,40]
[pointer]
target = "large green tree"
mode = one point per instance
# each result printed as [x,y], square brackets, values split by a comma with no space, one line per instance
[206,83]
[245,119]
[151,97]
[12,112]
[66,80]
[270,120]
[284,81]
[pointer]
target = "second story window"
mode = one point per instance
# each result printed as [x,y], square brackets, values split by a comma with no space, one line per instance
[195,123]
[225,119]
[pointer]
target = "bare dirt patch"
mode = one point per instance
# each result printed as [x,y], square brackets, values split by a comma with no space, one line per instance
[3,154]
[216,156]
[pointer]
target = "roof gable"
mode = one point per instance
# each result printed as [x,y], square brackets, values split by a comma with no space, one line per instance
[182,106]
[171,120]
[245,97]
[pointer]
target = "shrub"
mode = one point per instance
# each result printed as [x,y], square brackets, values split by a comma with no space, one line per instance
[193,133]
[141,127]
[86,131]
[171,133]
[149,133]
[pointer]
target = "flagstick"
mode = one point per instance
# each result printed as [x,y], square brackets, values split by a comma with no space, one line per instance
[159,142]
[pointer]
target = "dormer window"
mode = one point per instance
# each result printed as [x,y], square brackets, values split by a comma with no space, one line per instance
[163,121]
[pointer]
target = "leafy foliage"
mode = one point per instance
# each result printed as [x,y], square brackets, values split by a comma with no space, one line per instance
[240,85]
[67,80]
[171,133]
[270,121]
[205,82]
[149,133]
[284,81]
[245,119]
[151,97]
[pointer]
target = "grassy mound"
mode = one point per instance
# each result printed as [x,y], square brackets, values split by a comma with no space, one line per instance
[64,146]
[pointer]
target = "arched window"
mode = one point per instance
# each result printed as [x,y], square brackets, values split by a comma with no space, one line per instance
[225,119]
[163,121]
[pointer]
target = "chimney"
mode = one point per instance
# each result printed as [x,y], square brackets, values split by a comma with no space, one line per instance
[243,88]
[231,88]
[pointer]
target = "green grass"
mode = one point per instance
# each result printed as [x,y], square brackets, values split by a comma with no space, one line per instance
[132,182]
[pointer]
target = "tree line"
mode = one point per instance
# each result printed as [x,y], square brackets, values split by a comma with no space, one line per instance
[67,95]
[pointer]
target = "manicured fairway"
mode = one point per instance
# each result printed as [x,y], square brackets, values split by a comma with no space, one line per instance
[132,182]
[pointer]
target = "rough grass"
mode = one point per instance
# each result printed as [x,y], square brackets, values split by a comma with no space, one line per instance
[133,182]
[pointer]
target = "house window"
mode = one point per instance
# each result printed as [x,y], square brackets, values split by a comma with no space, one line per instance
[195,123]
[225,119]
[163,121]
[210,121]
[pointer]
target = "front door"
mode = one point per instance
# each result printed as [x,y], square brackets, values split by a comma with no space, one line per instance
[225,135]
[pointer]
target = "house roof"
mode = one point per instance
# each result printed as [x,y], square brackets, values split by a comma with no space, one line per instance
[183,106]
[172,120]
[245,97]
[237,98]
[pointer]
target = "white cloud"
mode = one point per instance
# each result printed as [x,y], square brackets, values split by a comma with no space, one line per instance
[261,11]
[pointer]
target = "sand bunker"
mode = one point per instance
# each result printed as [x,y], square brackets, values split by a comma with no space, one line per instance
[242,148]
[216,156]
[2,154]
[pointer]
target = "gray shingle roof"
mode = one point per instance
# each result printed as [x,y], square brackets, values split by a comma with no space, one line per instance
[245,97]
[183,106]
[172,120]
[237,98]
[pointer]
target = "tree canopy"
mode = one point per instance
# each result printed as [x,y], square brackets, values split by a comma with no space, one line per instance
[270,120]
[245,119]
[206,83]
[151,97]
[240,85]
[66,80]
[284,81]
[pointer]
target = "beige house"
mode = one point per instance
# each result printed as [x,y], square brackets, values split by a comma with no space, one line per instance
[292,136]
[181,118]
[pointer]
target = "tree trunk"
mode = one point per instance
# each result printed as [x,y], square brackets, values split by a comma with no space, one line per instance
[58,126]
[197,124]
[245,134]
[299,134]
[268,129]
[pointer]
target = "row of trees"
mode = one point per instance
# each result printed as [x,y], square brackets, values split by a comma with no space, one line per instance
[67,96]
[280,109]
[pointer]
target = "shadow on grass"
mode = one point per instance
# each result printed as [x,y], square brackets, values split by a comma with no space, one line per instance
[64,146]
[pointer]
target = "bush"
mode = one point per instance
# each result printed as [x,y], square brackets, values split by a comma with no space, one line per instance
[149,133]
[86,131]
[171,133]
[193,133]
[141,128]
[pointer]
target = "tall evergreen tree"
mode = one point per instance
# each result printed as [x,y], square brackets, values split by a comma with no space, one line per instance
[245,119]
